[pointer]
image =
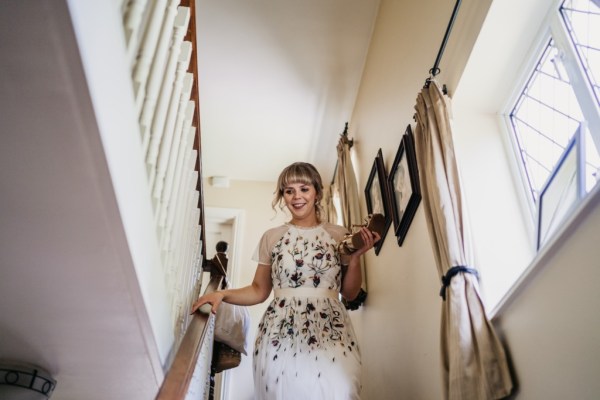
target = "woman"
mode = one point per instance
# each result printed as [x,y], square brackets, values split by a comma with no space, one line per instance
[305,346]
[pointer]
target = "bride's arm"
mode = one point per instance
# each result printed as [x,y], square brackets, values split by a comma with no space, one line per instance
[352,276]
[257,292]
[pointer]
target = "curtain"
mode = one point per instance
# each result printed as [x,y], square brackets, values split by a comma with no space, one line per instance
[473,360]
[345,182]
[328,205]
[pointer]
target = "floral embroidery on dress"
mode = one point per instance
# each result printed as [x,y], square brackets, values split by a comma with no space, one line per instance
[305,345]
[301,260]
[322,255]
[317,324]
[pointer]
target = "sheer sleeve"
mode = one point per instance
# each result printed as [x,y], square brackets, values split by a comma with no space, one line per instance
[264,250]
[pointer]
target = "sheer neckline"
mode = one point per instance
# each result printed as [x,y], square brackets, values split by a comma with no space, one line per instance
[305,227]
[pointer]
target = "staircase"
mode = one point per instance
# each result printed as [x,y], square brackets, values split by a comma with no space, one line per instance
[102,241]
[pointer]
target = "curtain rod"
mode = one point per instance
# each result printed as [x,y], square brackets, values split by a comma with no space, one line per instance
[344,136]
[435,69]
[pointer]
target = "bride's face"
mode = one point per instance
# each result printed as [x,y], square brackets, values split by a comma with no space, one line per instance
[300,199]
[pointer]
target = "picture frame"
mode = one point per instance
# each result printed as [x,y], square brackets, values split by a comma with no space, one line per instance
[377,196]
[403,186]
[563,189]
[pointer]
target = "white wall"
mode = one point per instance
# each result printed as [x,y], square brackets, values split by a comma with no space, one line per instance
[105,65]
[254,199]
[552,326]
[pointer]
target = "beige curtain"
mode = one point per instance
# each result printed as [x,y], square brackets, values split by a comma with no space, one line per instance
[473,361]
[345,182]
[328,205]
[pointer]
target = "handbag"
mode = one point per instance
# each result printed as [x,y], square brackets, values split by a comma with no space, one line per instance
[231,326]
[224,357]
[231,332]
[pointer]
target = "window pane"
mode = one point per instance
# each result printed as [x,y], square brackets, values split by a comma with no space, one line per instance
[545,117]
[592,167]
[582,18]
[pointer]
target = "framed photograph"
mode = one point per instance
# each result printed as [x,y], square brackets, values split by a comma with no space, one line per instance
[403,186]
[377,196]
[563,190]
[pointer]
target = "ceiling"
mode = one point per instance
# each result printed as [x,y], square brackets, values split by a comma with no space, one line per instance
[278,81]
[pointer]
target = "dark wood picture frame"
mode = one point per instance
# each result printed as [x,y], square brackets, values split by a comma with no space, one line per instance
[377,196]
[403,186]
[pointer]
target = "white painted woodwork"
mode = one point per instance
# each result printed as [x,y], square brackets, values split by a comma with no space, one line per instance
[169,130]
[147,101]
[163,85]
[148,48]
[160,114]
[172,206]
[185,264]
[200,383]
[186,107]
[176,150]
[133,26]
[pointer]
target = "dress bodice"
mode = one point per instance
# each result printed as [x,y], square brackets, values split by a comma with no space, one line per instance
[303,257]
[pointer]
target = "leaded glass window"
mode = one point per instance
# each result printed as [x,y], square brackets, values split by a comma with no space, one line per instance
[549,109]
[582,19]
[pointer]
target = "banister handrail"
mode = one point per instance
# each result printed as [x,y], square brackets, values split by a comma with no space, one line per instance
[177,379]
[195,96]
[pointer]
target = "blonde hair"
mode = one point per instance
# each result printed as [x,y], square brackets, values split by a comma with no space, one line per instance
[299,172]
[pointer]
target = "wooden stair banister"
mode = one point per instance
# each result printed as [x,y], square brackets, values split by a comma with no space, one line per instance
[177,379]
[195,96]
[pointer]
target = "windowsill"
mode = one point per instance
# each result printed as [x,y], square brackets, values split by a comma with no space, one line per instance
[572,223]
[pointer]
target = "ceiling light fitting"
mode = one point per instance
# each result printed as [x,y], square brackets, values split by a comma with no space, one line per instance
[219,181]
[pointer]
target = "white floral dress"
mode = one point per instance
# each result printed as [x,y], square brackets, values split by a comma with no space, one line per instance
[305,345]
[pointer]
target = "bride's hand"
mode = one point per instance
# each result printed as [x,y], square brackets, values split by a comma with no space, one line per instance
[214,299]
[369,239]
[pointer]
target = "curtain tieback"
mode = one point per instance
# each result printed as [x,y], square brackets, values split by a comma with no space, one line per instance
[451,273]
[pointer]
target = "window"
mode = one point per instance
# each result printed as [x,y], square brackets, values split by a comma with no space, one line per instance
[582,20]
[561,92]
[544,117]
[523,94]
